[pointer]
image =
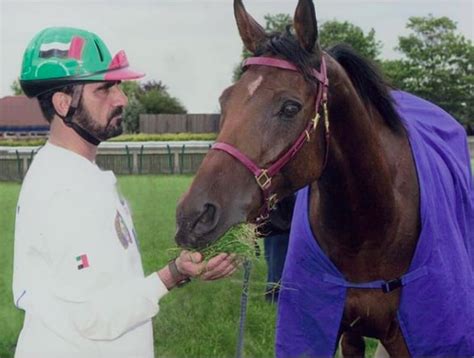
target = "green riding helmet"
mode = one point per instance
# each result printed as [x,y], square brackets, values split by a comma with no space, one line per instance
[60,56]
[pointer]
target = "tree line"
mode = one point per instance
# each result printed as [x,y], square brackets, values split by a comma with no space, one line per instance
[436,63]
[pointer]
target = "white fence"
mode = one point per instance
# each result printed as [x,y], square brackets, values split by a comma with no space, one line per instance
[121,157]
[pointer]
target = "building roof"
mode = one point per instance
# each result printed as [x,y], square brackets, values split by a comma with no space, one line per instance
[21,112]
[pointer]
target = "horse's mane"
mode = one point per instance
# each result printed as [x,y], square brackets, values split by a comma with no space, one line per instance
[365,76]
[368,82]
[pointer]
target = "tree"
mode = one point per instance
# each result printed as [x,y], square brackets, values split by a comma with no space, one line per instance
[16,88]
[131,116]
[335,32]
[437,64]
[155,99]
[156,102]
[148,97]
[277,22]
[330,33]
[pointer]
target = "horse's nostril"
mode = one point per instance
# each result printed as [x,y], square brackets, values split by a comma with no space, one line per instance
[208,214]
[208,219]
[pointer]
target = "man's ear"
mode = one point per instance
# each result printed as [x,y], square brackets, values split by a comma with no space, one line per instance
[61,102]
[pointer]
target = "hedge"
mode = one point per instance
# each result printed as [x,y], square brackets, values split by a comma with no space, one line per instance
[141,137]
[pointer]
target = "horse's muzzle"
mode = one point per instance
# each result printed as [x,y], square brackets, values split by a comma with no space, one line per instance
[195,227]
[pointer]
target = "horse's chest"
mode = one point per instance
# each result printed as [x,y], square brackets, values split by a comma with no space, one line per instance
[371,312]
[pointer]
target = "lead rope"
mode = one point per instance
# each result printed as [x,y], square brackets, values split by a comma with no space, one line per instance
[243,307]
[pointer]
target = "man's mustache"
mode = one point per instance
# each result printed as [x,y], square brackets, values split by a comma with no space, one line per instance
[118,111]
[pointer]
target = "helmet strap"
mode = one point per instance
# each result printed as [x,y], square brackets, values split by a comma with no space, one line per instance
[82,132]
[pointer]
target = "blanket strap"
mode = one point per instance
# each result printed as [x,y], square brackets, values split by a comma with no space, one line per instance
[385,286]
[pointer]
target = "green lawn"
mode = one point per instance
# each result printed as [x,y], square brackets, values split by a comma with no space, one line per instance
[11,319]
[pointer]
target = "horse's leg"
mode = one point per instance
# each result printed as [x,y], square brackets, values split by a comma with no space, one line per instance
[352,344]
[395,344]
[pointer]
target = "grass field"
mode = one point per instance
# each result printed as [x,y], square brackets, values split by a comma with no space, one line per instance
[199,320]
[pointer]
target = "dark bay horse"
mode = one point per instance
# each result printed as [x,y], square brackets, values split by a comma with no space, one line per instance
[326,120]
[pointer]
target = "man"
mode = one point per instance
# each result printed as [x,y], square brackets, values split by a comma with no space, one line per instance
[77,271]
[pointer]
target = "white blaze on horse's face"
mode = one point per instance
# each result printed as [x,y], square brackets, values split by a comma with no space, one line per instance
[254,85]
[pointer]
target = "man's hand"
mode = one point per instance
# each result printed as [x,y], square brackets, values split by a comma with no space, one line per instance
[191,264]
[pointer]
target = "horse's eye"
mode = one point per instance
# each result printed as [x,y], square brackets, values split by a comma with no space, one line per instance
[290,109]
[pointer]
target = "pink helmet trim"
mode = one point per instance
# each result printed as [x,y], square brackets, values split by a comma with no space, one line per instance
[119,60]
[75,49]
[118,69]
[123,74]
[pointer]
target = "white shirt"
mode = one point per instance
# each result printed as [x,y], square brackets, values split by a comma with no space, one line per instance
[77,268]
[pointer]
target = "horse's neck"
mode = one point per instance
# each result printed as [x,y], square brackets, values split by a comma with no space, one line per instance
[353,206]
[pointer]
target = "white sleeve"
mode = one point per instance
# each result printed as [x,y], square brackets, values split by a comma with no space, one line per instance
[100,301]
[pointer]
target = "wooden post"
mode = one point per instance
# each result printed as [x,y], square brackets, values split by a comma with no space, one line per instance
[135,162]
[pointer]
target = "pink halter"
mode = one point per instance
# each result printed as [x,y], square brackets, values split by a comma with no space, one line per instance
[264,176]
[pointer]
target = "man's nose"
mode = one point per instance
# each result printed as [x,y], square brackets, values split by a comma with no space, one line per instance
[120,98]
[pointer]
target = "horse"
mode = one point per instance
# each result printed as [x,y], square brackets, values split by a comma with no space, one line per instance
[300,117]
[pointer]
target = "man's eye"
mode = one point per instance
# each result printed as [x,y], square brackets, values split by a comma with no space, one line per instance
[107,87]
[290,109]
[102,90]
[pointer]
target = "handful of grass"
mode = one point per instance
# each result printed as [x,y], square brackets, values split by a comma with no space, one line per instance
[239,240]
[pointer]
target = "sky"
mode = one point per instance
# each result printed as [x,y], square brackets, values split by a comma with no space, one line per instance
[192,46]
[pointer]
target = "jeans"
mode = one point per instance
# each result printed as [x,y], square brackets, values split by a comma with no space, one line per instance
[275,247]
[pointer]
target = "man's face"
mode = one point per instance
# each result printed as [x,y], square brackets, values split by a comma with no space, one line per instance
[101,109]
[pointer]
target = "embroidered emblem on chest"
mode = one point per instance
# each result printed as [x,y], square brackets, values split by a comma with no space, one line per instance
[83,262]
[122,231]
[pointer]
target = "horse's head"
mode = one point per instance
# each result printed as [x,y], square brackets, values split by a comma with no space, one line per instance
[271,141]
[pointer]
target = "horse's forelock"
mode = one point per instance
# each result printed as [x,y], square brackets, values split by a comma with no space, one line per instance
[285,45]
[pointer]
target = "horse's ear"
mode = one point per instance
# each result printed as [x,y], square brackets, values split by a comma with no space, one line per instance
[305,24]
[251,32]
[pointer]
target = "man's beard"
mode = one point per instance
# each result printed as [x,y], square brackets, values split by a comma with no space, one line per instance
[85,120]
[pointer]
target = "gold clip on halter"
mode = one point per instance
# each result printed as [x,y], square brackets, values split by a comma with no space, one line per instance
[326,115]
[263,180]
[272,201]
[315,121]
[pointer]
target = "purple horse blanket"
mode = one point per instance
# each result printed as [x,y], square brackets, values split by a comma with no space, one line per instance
[436,312]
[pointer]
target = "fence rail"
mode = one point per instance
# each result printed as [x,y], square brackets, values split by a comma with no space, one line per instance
[120,157]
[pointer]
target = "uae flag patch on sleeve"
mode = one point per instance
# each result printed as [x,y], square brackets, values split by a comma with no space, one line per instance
[82,262]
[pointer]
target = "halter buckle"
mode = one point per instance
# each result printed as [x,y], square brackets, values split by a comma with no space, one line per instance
[263,180]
